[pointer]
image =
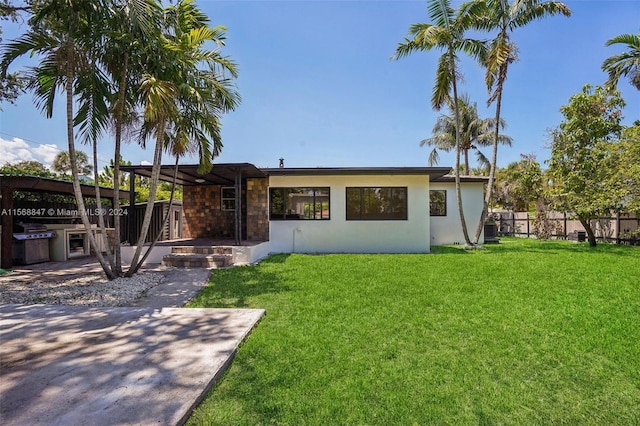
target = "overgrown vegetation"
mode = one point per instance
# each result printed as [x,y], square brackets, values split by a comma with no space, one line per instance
[524,332]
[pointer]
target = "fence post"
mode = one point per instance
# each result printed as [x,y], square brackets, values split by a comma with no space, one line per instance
[528,232]
[564,231]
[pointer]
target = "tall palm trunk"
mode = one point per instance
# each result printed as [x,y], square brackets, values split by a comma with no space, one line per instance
[155,177]
[456,108]
[101,223]
[70,68]
[466,162]
[502,75]
[116,164]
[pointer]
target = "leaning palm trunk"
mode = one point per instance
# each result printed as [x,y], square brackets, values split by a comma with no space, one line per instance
[77,190]
[463,222]
[155,176]
[502,75]
[165,220]
[101,224]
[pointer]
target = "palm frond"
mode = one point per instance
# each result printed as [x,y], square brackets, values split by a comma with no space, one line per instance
[631,40]
[441,13]
[523,12]
[626,64]
[434,158]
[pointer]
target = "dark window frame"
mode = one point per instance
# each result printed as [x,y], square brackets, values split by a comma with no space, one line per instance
[224,207]
[439,212]
[315,209]
[364,193]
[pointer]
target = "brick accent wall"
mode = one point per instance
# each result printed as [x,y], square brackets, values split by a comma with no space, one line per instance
[257,209]
[202,215]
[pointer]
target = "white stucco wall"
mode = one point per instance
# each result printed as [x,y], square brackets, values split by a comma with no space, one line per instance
[338,235]
[447,229]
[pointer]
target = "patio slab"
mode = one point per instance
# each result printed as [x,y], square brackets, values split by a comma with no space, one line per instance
[70,365]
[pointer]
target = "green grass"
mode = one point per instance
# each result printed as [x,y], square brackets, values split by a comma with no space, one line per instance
[524,332]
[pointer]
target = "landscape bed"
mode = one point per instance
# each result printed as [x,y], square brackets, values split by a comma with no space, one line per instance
[523,332]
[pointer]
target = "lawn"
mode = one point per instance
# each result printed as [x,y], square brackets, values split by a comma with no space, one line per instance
[524,332]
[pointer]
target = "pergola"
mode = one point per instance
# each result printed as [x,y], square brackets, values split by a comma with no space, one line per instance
[10,184]
[225,174]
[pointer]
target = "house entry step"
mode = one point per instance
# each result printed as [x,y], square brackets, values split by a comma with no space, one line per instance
[199,257]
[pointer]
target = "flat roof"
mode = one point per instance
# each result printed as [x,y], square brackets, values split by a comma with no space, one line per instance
[224,173]
[432,172]
[220,174]
[54,186]
[452,178]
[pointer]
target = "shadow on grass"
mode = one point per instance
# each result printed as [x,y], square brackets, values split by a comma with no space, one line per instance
[529,245]
[236,287]
[449,250]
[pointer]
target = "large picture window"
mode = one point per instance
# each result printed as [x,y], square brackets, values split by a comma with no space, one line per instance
[384,203]
[299,203]
[438,203]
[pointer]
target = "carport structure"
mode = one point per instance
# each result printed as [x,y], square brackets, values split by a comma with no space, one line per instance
[10,184]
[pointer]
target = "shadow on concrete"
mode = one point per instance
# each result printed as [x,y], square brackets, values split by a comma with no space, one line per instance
[70,365]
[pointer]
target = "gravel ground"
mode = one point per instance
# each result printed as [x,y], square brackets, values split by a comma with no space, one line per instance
[92,289]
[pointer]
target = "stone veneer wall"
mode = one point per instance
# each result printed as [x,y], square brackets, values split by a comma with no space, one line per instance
[202,214]
[257,209]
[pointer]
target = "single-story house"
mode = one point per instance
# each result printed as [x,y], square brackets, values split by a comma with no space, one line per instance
[325,210]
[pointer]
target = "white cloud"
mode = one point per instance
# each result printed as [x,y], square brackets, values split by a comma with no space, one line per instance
[145,163]
[16,150]
[47,152]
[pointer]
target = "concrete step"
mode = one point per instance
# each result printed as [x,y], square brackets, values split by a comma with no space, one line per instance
[202,250]
[197,260]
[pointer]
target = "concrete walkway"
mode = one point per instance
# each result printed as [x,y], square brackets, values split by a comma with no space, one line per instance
[148,364]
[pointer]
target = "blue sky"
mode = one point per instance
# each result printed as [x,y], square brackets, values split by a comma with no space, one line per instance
[319,88]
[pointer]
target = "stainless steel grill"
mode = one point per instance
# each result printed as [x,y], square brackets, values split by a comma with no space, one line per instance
[31,243]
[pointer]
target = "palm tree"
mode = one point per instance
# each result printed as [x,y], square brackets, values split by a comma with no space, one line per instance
[626,64]
[135,25]
[504,17]
[183,103]
[62,163]
[62,31]
[475,132]
[445,34]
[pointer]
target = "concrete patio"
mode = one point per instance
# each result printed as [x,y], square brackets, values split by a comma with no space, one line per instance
[145,364]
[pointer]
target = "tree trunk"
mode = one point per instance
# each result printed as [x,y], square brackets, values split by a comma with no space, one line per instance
[116,166]
[103,228]
[463,222]
[77,190]
[165,220]
[155,176]
[502,75]
[591,237]
[466,162]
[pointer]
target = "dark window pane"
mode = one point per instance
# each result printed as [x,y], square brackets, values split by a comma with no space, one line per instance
[228,198]
[299,203]
[438,203]
[376,203]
